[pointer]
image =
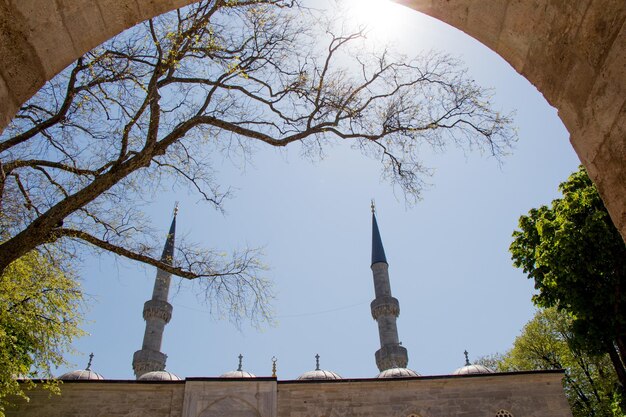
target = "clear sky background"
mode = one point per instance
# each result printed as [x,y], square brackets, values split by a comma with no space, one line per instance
[448,255]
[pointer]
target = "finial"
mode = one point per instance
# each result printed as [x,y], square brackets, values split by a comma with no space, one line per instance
[89,363]
[274,360]
[176,209]
[373,206]
[240,358]
[317,362]
[467,362]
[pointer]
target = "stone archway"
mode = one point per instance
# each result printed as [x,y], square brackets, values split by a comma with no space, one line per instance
[230,406]
[573,52]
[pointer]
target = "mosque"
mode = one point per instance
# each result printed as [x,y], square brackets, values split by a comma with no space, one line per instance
[397,391]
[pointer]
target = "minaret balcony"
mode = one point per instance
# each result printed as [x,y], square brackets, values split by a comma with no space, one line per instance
[146,360]
[385,306]
[391,356]
[157,309]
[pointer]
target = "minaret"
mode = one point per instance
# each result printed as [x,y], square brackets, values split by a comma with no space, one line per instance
[157,312]
[385,308]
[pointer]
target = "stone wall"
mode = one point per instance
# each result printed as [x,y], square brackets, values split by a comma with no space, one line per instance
[106,399]
[524,395]
[529,394]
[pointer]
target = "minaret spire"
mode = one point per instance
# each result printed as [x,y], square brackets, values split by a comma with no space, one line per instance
[385,308]
[378,251]
[157,312]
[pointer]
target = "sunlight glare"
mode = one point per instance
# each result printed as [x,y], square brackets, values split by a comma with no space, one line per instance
[384,17]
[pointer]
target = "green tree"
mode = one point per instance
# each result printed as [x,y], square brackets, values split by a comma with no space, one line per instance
[547,342]
[40,314]
[577,259]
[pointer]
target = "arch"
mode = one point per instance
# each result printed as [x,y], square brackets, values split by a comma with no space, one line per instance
[573,52]
[230,406]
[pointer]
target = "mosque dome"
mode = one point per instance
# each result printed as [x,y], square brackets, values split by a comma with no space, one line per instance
[471,369]
[318,374]
[82,374]
[397,373]
[239,373]
[158,376]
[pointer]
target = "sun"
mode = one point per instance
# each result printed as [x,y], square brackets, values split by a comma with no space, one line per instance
[383,17]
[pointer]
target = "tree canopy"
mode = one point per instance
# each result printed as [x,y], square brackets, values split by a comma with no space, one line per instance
[40,314]
[546,342]
[577,259]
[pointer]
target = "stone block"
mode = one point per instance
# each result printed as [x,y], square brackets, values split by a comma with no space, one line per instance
[21,68]
[552,55]
[602,112]
[7,106]
[119,15]
[453,13]
[609,161]
[598,29]
[84,23]
[47,34]
[151,8]
[577,86]
[608,92]
[485,21]
[517,32]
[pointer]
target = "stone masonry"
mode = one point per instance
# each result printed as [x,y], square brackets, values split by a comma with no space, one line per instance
[524,394]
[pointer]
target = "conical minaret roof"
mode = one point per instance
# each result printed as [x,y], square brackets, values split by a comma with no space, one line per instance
[168,250]
[378,251]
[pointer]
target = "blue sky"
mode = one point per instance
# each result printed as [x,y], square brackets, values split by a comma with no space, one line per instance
[448,255]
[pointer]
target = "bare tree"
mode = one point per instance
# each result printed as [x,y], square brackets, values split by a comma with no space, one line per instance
[162,99]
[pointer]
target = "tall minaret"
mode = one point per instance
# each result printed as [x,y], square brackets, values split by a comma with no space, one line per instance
[385,308]
[157,312]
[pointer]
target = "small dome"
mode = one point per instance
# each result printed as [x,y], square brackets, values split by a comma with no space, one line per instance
[470,369]
[238,374]
[158,376]
[318,374]
[81,374]
[473,369]
[397,373]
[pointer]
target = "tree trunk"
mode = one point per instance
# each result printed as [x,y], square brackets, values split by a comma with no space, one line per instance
[621,348]
[619,367]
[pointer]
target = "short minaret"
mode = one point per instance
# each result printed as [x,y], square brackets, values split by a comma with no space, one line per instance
[157,312]
[385,308]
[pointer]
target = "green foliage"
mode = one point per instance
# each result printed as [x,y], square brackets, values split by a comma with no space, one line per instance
[577,259]
[39,317]
[590,382]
